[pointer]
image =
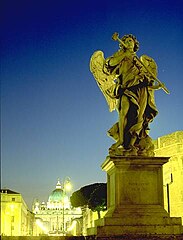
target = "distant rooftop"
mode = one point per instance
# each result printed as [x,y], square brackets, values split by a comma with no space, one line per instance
[8,191]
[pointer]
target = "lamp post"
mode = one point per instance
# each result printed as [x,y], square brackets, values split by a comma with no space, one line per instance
[168,192]
[66,188]
[167,185]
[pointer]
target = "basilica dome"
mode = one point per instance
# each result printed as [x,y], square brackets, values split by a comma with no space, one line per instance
[57,195]
[58,198]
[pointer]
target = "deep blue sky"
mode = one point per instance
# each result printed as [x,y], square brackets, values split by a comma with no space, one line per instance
[54,117]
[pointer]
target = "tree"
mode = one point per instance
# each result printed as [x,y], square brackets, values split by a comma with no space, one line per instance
[93,195]
[98,199]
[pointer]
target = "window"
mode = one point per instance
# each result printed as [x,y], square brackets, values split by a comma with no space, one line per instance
[13,199]
[12,218]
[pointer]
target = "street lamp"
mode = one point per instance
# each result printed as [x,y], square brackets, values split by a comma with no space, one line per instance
[66,188]
[168,192]
[167,185]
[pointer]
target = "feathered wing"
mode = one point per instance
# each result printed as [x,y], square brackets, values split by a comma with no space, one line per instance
[104,81]
[150,65]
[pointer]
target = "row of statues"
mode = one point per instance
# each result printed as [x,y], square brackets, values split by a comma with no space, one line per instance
[128,84]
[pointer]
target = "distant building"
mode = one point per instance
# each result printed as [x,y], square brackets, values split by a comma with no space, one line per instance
[16,219]
[56,216]
[171,145]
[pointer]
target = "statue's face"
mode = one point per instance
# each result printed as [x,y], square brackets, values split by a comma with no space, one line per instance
[129,43]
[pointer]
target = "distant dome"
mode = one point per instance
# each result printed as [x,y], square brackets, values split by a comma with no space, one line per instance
[57,195]
[58,199]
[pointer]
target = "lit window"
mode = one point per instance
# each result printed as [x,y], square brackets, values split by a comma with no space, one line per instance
[12,218]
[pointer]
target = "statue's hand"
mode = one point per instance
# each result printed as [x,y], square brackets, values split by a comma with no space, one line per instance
[157,86]
[160,86]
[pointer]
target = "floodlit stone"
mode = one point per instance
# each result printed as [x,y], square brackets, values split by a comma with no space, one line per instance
[135,198]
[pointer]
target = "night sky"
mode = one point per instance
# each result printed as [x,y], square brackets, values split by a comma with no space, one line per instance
[54,117]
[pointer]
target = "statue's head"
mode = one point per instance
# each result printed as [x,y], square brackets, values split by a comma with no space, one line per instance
[136,43]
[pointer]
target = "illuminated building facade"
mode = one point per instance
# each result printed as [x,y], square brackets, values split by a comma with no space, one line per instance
[56,216]
[16,219]
[171,145]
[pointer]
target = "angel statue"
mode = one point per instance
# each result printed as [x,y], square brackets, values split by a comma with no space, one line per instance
[128,84]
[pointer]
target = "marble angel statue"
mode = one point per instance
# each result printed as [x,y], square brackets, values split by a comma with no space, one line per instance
[128,83]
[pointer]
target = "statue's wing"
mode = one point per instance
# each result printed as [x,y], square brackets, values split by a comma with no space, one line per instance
[105,81]
[150,65]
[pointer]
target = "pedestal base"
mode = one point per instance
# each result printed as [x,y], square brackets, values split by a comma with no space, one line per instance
[135,199]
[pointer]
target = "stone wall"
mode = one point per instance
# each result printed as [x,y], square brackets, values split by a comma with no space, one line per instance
[42,238]
[123,237]
[171,145]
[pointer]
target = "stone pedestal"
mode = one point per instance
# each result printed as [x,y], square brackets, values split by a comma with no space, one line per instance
[135,198]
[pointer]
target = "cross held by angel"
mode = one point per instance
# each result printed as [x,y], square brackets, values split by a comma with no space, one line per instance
[128,84]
